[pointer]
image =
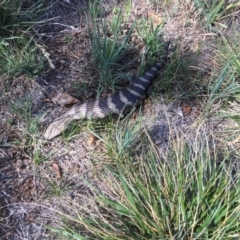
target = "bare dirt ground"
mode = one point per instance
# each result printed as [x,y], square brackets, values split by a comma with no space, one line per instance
[27,200]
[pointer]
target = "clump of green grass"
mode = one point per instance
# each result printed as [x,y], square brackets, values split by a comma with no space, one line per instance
[225,87]
[192,193]
[18,56]
[15,18]
[18,53]
[121,139]
[108,46]
[230,50]
[151,39]
[215,10]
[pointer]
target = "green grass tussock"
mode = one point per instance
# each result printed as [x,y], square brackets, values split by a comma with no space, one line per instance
[193,193]
[19,56]
[18,52]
